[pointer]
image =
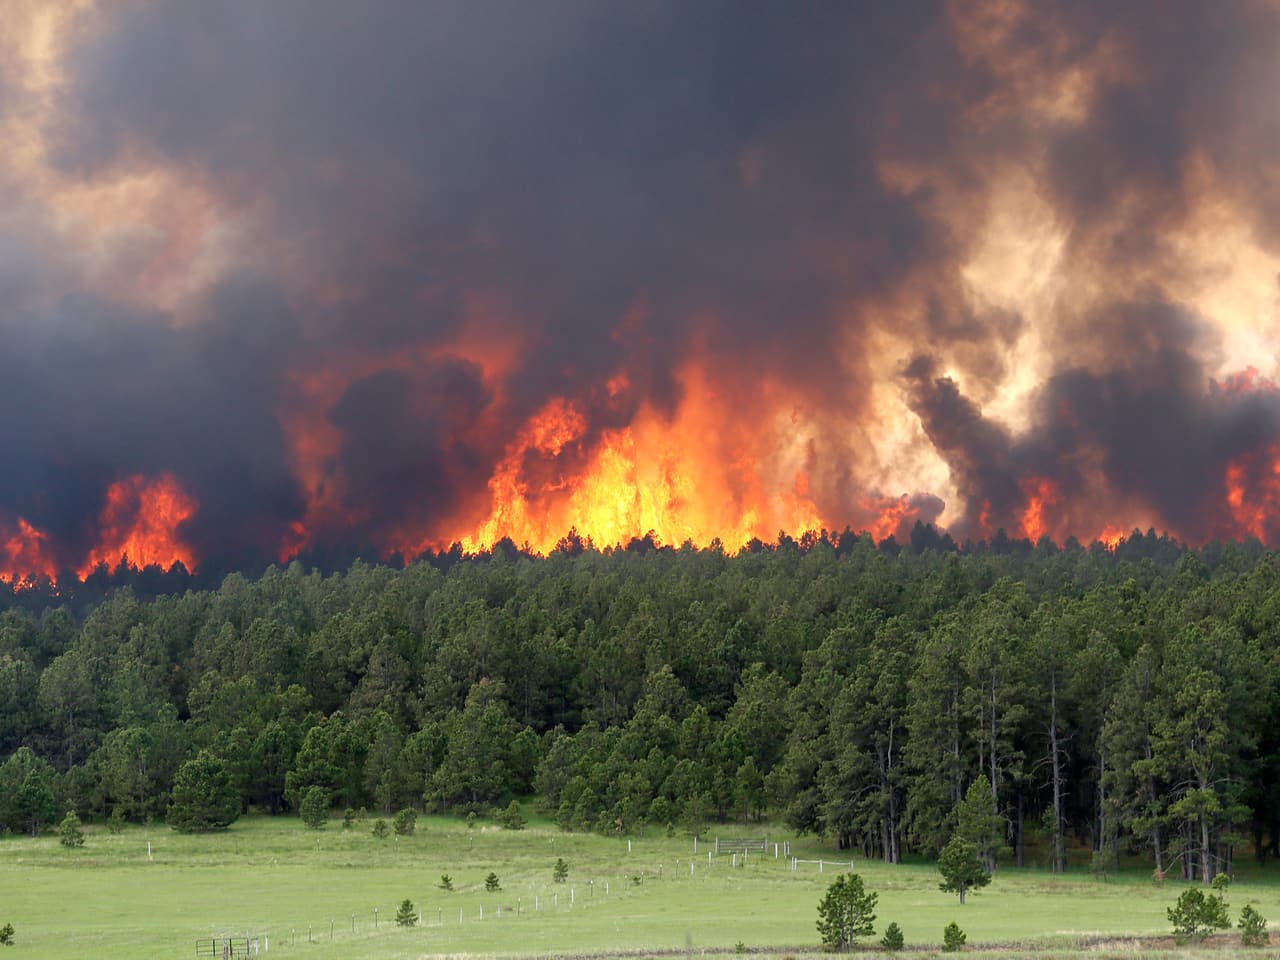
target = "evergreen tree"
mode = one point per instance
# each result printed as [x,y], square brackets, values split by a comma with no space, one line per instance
[978,822]
[1253,928]
[407,915]
[953,938]
[405,822]
[560,872]
[1197,914]
[961,868]
[491,883]
[70,832]
[314,808]
[893,938]
[846,912]
[204,799]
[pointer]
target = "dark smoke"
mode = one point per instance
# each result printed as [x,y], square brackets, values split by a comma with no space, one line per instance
[720,169]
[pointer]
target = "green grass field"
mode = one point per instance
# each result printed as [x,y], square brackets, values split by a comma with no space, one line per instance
[107,900]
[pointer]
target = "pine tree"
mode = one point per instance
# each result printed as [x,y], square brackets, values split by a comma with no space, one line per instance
[70,833]
[314,808]
[961,868]
[953,938]
[204,798]
[1253,927]
[491,883]
[892,939]
[406,822]
[846,912]
[560,872]
[407,915]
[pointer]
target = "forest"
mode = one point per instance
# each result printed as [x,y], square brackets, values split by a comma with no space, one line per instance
[1118,704]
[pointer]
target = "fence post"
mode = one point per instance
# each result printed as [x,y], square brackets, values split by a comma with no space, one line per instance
[717,846]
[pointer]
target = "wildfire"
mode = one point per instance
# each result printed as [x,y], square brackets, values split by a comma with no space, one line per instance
[1040,492]
[1253,493]
[890,517]
[1110,536]
[26,552]
[690,476]
[140,524]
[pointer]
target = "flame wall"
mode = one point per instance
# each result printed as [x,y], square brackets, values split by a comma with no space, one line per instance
[312,277]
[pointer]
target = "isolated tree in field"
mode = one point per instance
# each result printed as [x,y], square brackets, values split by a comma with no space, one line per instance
[846,912]
[379,828]
[1253,928]
[961,868]
[405,822]
[70,833]
[893,938]
[446,882]
[560,872]
[6,935]
[204,798]
[407,915]
[314,808]
[978,822]
[491,883]
[1197,914]
[953,938]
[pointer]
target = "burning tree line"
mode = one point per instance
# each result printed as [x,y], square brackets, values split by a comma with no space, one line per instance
[1124,704]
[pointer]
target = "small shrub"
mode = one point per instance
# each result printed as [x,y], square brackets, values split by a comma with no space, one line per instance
[362,814]
[406,821]
[116,822]
[6,935]
[491,883]
[1196,915]
[560,872]
[471,820]
[379,828]
[510,818]
[407,915]
[1220,882]
[739,947]
[1253,928]
[892,939]
[953,937]
[314,808]
[446,882]
[348,818]
[70,833]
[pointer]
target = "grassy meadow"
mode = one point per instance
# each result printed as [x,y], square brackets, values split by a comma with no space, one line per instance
[301,888]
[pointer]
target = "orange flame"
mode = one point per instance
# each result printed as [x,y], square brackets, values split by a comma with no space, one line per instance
[25,552]
[1040,492]
[140,524]
[1110,536]
[1253,496]
[689,476]
[891,517]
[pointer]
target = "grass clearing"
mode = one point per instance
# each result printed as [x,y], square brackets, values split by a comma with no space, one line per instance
[107,900]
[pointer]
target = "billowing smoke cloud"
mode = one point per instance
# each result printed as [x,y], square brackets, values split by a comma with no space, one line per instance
[403,273]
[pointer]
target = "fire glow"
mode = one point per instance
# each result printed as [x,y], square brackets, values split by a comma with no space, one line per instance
[139,526]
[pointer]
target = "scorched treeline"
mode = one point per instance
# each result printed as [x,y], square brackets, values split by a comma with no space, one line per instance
[1122,702]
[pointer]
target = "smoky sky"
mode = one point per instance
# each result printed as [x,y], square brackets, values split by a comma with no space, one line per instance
[766,186]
